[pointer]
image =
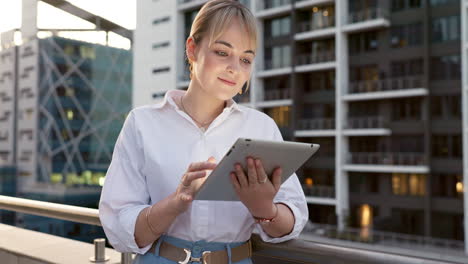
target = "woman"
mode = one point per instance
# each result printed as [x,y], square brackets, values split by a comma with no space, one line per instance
[164,150]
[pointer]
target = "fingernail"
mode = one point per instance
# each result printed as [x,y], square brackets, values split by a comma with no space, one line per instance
[257,162]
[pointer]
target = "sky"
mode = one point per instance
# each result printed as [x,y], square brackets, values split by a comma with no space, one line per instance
[122,12]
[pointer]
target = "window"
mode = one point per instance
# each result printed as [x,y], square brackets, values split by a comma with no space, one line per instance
[363,42]
[409,184]
[279,27]
[443,2]
[161,70]
[406,35]
[161,45]
[399,5]
[445,29]
[280,115]
[161,20]
[440,146]
[280,57]
[412,67]
[406,109]
[446,67]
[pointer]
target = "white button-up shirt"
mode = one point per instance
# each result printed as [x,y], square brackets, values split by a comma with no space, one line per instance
[154,149]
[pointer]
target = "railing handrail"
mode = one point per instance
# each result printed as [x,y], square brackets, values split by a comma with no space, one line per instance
[59,211]
[298,249]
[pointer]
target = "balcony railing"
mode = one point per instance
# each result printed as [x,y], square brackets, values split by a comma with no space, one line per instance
[267,4]
[367,14]
[389,84]
[382,158]
[277,94]
[319,57]
[293,251]
[319,123]
[370,236]
[366,122]
[317,23]
[276,64]
[319,191]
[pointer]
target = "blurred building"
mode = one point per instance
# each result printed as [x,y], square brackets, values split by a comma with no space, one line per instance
[63,105]
[376,83]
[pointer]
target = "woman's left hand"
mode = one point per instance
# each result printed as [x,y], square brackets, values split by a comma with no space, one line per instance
[255,189]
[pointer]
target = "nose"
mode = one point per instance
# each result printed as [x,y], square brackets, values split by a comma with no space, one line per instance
[233,65]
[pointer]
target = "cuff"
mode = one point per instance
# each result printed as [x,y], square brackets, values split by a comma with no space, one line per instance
[128,219]
[297,229]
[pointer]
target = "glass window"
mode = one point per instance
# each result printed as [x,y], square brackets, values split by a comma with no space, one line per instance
[406,35]
[443,2]
[446,29]
[446,67]
[285,26]
[275,28]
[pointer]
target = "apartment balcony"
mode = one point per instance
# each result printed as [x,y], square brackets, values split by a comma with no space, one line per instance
[317,127]
[367,126]
[30,247]
[311,3]
[274,68]
[386,89]
[387,162]
[318,61]
[319,194]
[271,8]
[318,28]
[276,97]
[367,19]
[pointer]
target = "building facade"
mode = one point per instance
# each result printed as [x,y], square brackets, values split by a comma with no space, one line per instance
[376,83]
[63,104]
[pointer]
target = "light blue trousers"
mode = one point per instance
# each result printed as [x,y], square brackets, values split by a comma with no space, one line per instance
[197,249]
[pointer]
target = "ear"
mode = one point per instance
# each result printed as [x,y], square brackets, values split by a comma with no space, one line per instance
[190,49]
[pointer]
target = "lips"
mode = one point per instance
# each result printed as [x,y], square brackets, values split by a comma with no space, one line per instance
[227,82]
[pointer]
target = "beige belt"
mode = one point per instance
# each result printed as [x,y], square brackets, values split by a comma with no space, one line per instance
[184,256]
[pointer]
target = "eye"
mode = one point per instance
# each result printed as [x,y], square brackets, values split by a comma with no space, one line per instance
[221,53]
[246,61]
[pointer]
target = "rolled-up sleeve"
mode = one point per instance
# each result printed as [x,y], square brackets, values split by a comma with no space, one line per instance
[124,193]
[292,195]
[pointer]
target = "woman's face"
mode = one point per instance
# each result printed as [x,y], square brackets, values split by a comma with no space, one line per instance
[224,68]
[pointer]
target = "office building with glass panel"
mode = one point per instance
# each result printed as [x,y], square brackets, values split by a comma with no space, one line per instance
[67,108]
[377,84]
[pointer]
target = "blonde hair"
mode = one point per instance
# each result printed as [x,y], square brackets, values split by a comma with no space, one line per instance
[215,16]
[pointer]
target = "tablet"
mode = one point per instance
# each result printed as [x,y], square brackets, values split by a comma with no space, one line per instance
[290,156]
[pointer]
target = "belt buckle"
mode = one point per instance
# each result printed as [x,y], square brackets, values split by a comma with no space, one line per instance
[189,258]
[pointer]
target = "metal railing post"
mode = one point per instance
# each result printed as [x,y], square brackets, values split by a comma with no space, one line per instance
[99,251]
[126,258]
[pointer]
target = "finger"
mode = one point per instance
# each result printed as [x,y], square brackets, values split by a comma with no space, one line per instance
[212,160]
[252,172]
[204,165]
[261,174]
[276,178]
[235,182]
[190,176]
[241,176]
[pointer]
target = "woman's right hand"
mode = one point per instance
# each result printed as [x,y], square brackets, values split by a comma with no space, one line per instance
[191,182]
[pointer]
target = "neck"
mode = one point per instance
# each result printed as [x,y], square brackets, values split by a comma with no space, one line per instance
[202,106]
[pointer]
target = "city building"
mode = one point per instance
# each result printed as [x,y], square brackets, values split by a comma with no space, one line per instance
[376,83]
[64,102]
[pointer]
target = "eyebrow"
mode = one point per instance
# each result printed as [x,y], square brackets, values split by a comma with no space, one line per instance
[230,46]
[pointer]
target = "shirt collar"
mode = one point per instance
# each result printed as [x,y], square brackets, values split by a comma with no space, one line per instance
[172,95]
